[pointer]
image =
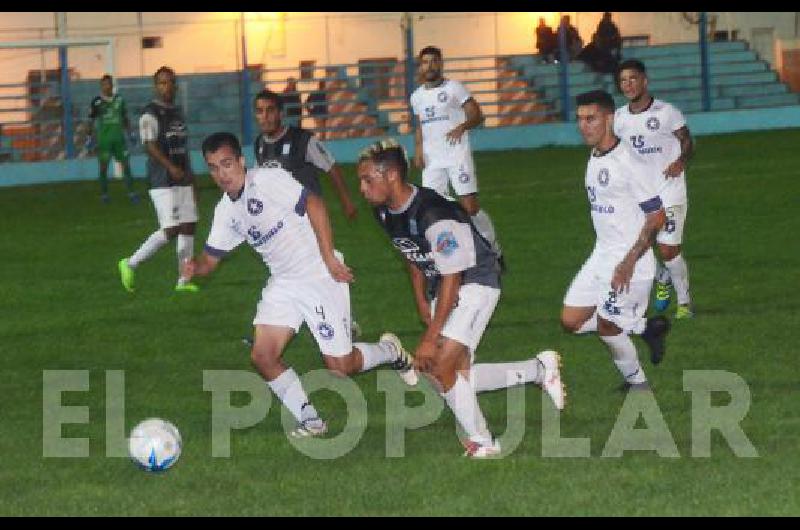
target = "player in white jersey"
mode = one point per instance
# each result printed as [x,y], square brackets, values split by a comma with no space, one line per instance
[445,111]
[611,291]
[290,229]
[658,132]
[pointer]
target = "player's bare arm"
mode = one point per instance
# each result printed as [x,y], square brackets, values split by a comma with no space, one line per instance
[175,173]
[624,270]
[446,300]
[419,159]
[202,266]
[474,117]
[418,284]
[687,151]
[339,183]
[318,216]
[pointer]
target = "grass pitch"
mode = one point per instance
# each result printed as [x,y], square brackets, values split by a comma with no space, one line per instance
[64,309]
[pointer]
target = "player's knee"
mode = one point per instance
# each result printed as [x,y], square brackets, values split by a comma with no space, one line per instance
[569,323]
[266,358]
[606,328]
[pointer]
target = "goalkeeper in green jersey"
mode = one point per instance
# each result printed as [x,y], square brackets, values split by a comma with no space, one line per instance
[111,121]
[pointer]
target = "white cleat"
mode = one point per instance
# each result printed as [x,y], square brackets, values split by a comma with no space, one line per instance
[551,383]
[404,363]
[478,450]
[309,428]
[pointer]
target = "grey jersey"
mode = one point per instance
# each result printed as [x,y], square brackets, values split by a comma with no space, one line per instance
[165,125]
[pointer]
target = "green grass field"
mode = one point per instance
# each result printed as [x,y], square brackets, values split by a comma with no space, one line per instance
[64,309]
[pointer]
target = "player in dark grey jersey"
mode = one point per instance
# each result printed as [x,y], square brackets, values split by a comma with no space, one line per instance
[296,150]
[456,279]
[163,131]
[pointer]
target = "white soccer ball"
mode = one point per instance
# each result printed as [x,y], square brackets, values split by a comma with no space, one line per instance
[155,444]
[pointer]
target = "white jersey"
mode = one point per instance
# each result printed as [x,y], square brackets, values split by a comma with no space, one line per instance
[650,133]
[440,110]
[621,191]
[271,216]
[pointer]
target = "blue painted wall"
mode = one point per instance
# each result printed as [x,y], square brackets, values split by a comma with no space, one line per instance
[489,139]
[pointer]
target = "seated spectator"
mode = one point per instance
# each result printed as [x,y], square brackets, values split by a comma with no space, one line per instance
[546,42]
[291,102]
[608,36]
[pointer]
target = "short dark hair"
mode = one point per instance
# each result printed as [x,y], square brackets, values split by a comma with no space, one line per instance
[632,64]
[386,152]
[213,142]
[430,50]
[596,97]
[163,69]
[269,94]
[107,76]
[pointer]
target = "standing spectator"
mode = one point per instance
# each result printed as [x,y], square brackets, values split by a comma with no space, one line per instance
[317,105]
[609,38]
[546,42]
[574,41]
[291,102]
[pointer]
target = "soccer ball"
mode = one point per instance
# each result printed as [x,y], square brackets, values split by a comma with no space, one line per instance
[155,444]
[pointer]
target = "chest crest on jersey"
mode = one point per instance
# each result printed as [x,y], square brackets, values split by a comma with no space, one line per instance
[254,206]
[603,177]
[441,96]
[652,123]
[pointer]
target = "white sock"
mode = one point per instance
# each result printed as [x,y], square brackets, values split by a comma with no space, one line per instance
[290,391]
[185,249]
[588,326]
[150,246]
[374,354]
[485,227]
[464,403]
[662,274]
[623,353]
[680,278]
[493,376]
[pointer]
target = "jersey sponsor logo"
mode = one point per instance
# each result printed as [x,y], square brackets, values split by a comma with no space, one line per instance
[652,123]
[446,243]
[254,206]
[441,96]
[601,208]
[325,330]
[603,177]
[259,238]
[437,118]
[271,164]
[412,253]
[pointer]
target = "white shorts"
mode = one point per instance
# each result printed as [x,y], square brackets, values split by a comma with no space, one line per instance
[322,303]
[672,232]
[461,176]
[626,310]
[470,316]
[174,205]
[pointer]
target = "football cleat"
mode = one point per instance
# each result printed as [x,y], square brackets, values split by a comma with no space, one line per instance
[551,382]
[404,363]
[105,199]
[187,287]
[309,428]
[126,275]
[133,197]
[655,334]
[684,312]
[663,296]
[479,450]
